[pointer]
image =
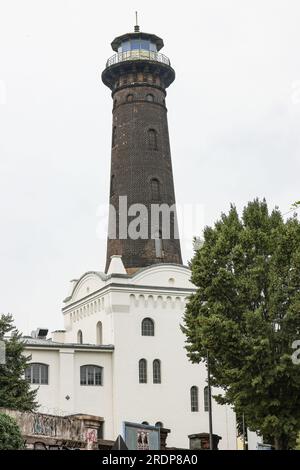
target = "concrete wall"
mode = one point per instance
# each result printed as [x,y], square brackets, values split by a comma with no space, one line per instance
[44,431]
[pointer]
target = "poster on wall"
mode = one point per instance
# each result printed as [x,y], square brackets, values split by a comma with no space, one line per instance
[141,436]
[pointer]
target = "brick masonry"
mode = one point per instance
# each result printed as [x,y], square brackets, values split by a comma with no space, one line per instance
[138,93]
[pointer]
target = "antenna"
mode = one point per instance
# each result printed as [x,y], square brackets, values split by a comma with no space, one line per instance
[136,28]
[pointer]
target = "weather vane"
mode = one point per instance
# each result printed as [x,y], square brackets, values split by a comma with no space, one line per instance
[136,28]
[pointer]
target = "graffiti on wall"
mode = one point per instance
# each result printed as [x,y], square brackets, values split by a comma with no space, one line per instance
[90,438]
[44,425]
[59,446]
[142,438]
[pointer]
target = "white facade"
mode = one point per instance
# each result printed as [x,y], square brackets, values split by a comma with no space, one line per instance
[108,311]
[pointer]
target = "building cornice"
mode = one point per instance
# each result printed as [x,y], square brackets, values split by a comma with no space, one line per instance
[130,288]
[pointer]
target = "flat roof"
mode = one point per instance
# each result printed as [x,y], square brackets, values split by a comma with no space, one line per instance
[48,343]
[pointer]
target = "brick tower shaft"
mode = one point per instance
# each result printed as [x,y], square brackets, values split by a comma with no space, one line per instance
[142,218]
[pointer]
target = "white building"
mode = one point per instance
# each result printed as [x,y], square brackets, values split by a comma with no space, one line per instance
[114,322]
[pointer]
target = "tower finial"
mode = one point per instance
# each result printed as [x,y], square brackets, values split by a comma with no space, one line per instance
[136,28]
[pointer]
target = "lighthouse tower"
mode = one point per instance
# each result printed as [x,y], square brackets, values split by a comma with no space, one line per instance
[141,167]
[121,356]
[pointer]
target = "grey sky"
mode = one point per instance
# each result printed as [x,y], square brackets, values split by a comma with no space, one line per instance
[234,114]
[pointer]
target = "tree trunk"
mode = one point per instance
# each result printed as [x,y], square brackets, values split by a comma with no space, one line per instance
[281,442]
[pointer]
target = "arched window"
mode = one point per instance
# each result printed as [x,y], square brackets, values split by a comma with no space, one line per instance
[158,244]
[114,136]
[194,398]
[79,337]
[145,423]
[112,185]
[155,189]
[142,371]
[150,97]
[129,98]
[156,371]
[99,332]
[206,399]
[37,373]
[91,375]
[152,139]
[159,424]
[147,327]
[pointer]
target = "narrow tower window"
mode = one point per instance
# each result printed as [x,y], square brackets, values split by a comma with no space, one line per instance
[156,372]
[155,189]
[158,245]
[114,136]
[147,327]
[112,185]
[142,371]
[150,98]
[194,398]
[152,139]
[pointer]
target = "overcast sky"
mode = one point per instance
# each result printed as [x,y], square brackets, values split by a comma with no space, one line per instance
[234,114]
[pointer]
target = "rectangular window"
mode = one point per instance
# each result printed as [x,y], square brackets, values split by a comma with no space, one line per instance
[90,375]
[156,372]
[145,45]
[125,46]
[143,371]
[98,377]
[194,399]
[44,375]
[206,399]
[135,44]
[82,376]
[28,374]
[158,247]
[35,374]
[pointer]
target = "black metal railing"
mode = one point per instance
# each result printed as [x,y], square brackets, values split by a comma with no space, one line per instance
[138,54]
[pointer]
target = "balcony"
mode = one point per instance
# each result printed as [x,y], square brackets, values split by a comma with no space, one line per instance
[138,54]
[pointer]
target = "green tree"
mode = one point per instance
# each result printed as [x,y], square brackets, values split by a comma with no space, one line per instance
[15,391]
[246,313]
[296,205]
[10,435]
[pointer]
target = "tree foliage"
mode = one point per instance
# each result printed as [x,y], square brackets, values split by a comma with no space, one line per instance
[296,205]
[246,312]
[10,434]
[15,391]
